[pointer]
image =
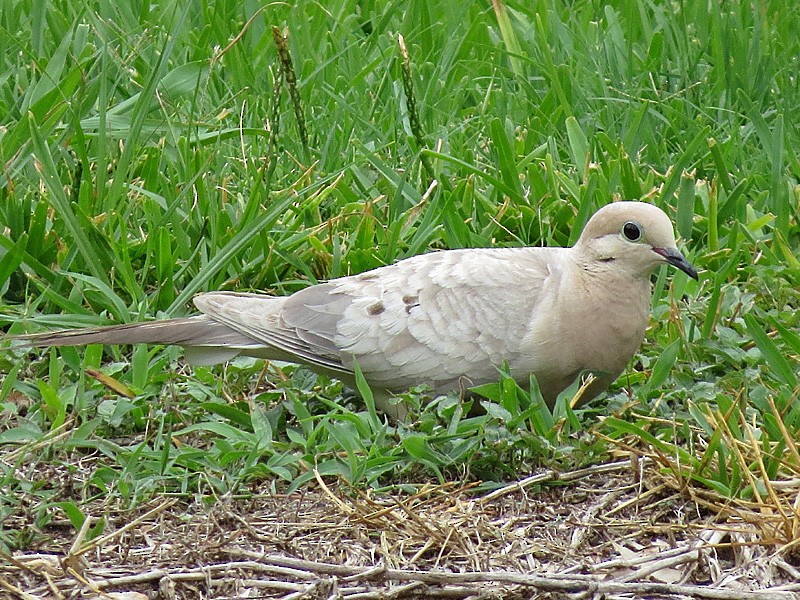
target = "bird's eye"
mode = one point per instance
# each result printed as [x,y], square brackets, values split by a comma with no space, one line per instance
[632,231]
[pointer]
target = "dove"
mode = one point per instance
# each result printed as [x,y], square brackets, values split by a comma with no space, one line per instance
[448,319]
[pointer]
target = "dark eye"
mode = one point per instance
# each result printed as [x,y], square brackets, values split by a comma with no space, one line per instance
[632,231]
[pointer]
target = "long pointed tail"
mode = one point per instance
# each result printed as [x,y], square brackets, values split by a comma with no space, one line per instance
[190,331]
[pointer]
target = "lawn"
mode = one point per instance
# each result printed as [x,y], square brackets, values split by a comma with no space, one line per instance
[152,151]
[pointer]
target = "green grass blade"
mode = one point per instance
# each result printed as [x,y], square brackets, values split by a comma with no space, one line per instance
[61,203]
[769,350]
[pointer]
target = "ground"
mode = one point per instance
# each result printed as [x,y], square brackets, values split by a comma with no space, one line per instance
[617,530]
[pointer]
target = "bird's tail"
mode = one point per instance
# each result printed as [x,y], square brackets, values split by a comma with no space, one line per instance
[191,331]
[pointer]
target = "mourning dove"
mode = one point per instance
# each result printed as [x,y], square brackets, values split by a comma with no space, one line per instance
[446,318]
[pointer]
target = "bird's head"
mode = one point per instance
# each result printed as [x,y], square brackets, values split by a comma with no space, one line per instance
[634,237]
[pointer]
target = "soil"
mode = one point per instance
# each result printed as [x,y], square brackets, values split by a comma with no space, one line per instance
[620,530]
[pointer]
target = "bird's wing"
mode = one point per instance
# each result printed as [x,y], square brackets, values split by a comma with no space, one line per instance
[432,318]
[261,319]
[441,316]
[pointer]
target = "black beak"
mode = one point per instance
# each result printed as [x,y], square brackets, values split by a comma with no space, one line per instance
[676,259]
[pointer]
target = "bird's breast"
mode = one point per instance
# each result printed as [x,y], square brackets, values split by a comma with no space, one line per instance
[587,327]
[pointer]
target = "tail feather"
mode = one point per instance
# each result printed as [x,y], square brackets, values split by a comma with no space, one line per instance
[191,331]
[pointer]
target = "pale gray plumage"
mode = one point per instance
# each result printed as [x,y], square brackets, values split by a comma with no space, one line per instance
[446,318]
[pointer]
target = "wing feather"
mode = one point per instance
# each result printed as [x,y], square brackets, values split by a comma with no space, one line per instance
[261,318]
[433,318]
[442,315]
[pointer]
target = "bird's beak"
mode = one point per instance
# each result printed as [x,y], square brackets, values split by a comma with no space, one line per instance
[676,259]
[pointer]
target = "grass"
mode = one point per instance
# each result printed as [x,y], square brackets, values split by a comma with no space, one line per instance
[152,153]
